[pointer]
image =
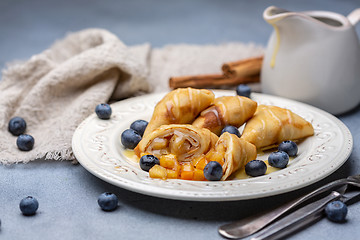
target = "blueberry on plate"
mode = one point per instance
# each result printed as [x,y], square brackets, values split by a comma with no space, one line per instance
[255,168]
[279,159]
[17,126]
[139,126]
[130,138]
[148,161]
[243,90]
[289,147]
[108,201]
[231,129]
[25,142]
[103,111]
[336,211]
[213,171]
[29,205]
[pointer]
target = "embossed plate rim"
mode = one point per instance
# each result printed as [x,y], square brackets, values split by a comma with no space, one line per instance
[97,147]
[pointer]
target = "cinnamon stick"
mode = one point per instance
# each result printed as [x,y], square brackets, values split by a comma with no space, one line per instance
[234,73]
[210,81]
[243,68]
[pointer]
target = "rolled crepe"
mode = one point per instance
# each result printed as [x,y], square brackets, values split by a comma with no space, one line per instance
[183,140]
[272,125]
[180,106]
[236,153]
[227,110]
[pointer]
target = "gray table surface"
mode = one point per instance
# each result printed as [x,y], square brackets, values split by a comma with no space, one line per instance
[68,194]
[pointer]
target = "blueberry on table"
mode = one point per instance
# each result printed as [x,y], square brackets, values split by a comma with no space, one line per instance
[103,111]
[139,126]
[130,138]
[279,159]
[231,129]
[255,168]
[148,161]
[243,90]
[289,147]
[336,211]
[29,205]
[108,201]
[17,126]
[25,142]
[213,171]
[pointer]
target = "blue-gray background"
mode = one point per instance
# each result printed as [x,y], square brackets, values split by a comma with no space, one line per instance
[68,194]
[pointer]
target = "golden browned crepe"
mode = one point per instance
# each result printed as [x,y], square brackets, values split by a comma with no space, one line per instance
[227,110]
[183,140]
[236,153]
[180,106]
[272,125]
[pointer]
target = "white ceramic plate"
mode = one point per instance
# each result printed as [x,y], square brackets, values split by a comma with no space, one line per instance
[96,145]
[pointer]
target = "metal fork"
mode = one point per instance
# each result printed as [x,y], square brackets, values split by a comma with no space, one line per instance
[304,216]
[250,225]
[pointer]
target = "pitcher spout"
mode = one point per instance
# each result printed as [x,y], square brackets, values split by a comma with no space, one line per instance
[274,14]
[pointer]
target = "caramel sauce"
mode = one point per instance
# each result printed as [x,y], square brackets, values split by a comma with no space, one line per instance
[130,155]
[214,111]
[241,174]
[272,22]
[277,46]
[169,111]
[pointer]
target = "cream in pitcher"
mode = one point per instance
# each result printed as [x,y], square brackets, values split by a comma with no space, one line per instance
[313,57]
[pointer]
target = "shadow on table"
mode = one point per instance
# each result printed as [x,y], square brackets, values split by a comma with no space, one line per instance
[209,211]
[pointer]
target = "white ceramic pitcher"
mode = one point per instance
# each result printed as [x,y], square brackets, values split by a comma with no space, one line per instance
[313,57]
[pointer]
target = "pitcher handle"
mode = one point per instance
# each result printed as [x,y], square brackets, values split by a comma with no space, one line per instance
[354,16]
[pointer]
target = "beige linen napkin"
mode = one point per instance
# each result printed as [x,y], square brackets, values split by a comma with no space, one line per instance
[57,89]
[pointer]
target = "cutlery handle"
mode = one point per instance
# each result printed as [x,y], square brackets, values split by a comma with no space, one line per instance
[250,225]
[296,220]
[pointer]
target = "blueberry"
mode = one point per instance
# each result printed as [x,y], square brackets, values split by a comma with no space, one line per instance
[103,111]
[148,161]
[278,159]
[231,129]
[336,211]
[25,142]
[213,171]
[289,147]
[255,168]
[130,138]
[29,205]
[17,126]
[243,90]
[139,126]
[108,201]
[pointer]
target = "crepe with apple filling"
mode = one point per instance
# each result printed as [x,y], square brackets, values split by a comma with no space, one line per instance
[232,152]
[180,106]
[184,141]
[272,125]
[227,110]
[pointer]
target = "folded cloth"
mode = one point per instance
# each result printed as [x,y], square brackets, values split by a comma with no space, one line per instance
[57,89]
